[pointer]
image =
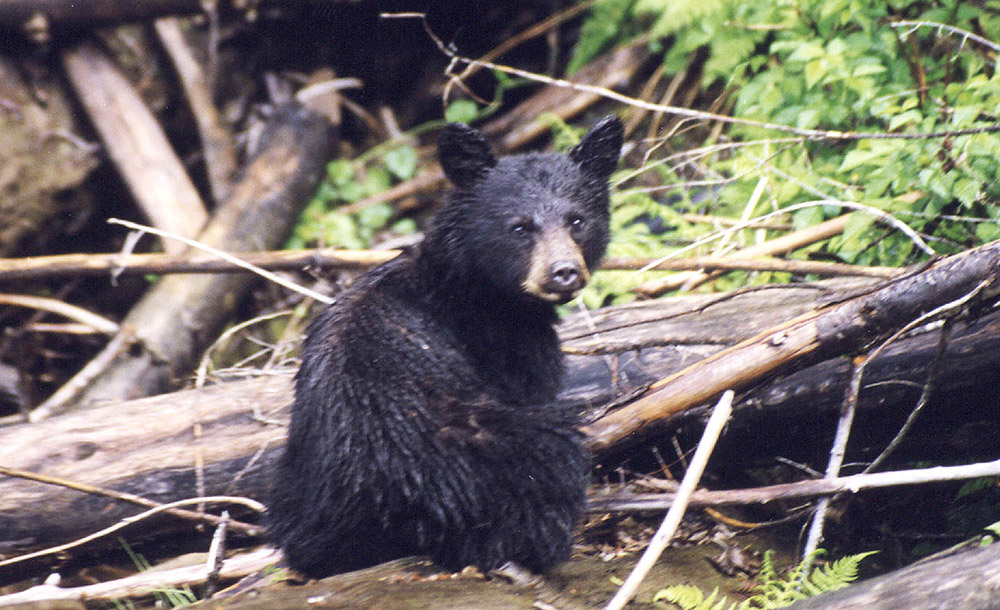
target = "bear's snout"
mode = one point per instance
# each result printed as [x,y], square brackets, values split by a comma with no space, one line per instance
[557,271]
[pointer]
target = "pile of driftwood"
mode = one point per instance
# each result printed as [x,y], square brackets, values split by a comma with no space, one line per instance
[904,359]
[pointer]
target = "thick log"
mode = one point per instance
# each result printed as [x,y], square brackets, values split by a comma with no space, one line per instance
[836,329]
[147,447]
[177,317]
[969,580]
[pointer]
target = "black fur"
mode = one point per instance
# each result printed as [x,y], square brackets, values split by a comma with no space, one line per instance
[422,421]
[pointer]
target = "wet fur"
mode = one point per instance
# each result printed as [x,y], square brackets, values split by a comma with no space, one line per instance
[423,419]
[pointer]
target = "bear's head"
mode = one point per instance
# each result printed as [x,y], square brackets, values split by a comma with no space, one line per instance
[531,225]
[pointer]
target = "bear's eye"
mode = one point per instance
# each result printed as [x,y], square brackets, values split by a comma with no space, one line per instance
[521,228]
[576,222]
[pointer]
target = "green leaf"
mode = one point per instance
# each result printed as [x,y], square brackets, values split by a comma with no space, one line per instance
[402,162]
[340,172]
[461,111]
[858,157]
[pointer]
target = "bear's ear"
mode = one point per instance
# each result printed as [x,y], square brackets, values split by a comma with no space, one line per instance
[598,151]
[464,154]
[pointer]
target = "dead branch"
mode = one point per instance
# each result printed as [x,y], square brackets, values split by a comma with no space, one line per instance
[178,316]
[117,264]
[144,583]
[216,141]
[794,491]
[779,245]
[136,144]
[835,329]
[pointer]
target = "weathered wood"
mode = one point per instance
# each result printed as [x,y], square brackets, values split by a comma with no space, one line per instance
[174,320]
[834,330]
[42,159]
[136,144]
[147,446]
[969,580]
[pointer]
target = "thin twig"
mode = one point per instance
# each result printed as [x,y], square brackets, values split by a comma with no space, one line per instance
[247,502]
[844,424]
[673,517]
[965,34]
[322,298]
[801,489]
[933,370]
[94,321]
[812,134]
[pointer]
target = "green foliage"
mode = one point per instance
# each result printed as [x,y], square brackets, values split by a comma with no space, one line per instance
[832,65]
[604,25]
[348,182]
[773,590]
[166,597]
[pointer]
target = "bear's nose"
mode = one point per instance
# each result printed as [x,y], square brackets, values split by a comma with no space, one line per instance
[565,276]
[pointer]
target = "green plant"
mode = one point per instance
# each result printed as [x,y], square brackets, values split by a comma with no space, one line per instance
[167,597]
[836,65]
[773,590]
[349,182]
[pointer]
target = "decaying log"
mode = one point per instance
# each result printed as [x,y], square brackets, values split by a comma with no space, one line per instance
[147,446]
[41,157]
[175,319]
[969,580]
[136,144]
[836,329]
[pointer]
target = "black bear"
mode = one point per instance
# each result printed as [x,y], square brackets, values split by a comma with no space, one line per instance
[423,421]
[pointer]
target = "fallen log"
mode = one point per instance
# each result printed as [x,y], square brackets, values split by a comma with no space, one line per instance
[176,318]
[147,446]
[843,327]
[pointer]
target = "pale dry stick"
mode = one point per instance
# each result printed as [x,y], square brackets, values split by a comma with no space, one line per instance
[672,520]
[850,405]
[879,214]
[780,245]
[141,584]
[844,424]
[247,502]
[78,314]
[136,143]
[698,153]
[966,35]
[202,372]
[801,489]
[227,257]
[748,209]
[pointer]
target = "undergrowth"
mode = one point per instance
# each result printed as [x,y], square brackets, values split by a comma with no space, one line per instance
[773,590]
[859,66]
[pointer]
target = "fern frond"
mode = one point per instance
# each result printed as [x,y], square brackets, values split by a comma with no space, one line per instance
[838,574]
[601,27]
[691,598]
[674,15]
